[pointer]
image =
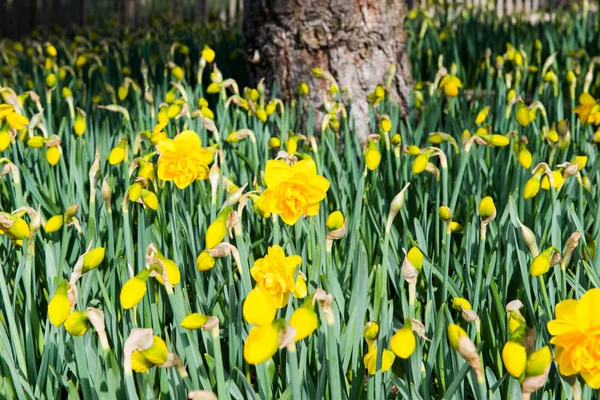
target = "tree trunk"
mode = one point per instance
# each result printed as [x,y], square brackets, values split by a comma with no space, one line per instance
[355,40]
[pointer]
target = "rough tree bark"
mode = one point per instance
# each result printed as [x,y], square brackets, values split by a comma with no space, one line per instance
[355,40]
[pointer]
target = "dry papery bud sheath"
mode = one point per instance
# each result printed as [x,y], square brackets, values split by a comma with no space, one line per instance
[325,302]
[571,245]
[396,206]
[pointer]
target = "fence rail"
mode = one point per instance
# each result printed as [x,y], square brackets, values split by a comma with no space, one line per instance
[20,17]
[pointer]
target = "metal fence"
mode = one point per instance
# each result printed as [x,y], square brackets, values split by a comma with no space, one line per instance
[19,17]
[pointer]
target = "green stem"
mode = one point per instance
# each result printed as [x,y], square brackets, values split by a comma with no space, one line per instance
[479,275]
[464,159]
[446,263]
[294,372]
[334,363]
[219,364]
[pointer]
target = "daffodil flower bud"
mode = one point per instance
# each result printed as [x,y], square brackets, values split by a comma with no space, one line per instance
[482,115]
[149,199]
[420,163]
[525,157]
[459,304]
[59,307]
[15,227]
[36,142]
[514,356]
[335,220]
[50,80]
[208,54]
[523,115]
[385,124]
[274,143]
[532,186]
[371,331]
[459,340]
[372,156]
[529,239]
[570,246]
[171,269]
[487,208]
[541,263]
[557,178]
[538,361]
[395,207]
[205,261]
[370,360]
[54,224]
[581,162]
[218,229]
[92,259]
[304,320]
[194,321]
[106,194]
[450,85]
[79,124]
[262,343]
[403,342]
[300,288]
[77,324]
[157,353]
[259,308]
[118,153]
[515,321]
[445,213]
[53,155]
[134,290]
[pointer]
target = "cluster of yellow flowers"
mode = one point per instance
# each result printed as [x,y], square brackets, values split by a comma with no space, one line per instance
[292,188]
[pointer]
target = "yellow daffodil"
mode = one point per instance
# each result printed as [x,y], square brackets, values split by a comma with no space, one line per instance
[558,180]
[217,229]
[156,354]
[538,361]
[335,220]
[459,304]
[486,207]
[54,224]
[262,343]
[208,54]
[415,257]
[77,324]
[541,264]
[118,153]
[293,191]
[370,360]
[514,356]
[403,342]
[59,307]
[304,320]
[259,307]
[134,290]
[587,108]
[372,156]
[194,321]
[93,258]
[183,159]
[576,331]
[205,261]
[450,84]
[274,274]
[173,273]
